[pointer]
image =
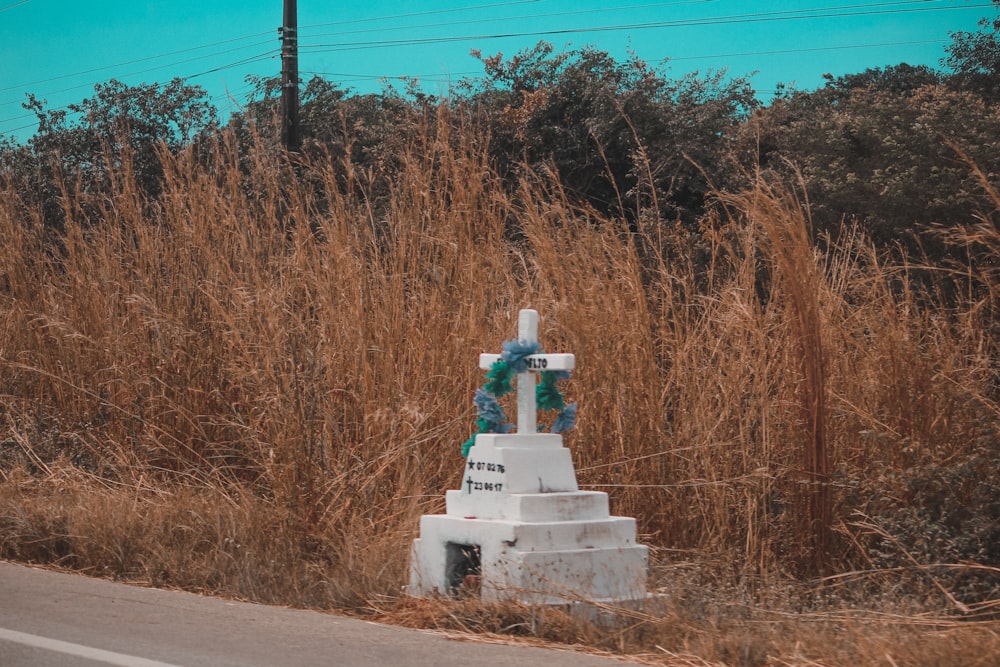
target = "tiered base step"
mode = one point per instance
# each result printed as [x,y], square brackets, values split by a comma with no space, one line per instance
[562,547]
[520,529]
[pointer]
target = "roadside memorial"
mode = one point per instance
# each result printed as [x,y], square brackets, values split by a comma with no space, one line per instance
[519,528]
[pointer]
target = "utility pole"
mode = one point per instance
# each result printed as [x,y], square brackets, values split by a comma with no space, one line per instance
[289,32]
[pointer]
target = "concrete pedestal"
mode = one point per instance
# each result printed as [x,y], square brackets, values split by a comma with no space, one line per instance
[519,528]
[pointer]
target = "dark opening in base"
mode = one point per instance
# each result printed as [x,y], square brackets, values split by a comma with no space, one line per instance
[463,568]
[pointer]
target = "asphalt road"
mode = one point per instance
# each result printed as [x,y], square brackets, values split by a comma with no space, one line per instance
[54,619]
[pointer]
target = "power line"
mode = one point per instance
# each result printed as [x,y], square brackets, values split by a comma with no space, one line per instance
[375,77]
[428,12]
[810,50]
[244,61]
[344,76]
[438,77]
[532,17]
[152,69]
[596,11]
[868,9]
[833,12]
[16,4]
[702,21]
[205,46]
[535,17]
[244,37]
[146,59]
[443,11]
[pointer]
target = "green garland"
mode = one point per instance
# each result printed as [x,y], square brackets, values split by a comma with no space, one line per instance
[499,382]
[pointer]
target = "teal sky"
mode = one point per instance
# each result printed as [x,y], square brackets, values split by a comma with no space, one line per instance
[58,49]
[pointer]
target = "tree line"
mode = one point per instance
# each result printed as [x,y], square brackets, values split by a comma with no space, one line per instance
[903,152]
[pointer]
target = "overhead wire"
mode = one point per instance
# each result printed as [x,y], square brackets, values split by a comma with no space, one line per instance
[811,49]
[428,12]
[209,45]
[261,56]
[532,17]
[414,14]
[188,50]
[251,36]
[345,76]
[382,76]
[146,59]
[868,9]
[16,4]
[723,20]
[147,70]
[579,12]
[244,61]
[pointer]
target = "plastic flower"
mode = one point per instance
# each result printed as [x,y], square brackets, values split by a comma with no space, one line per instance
[498,379]
[515,352]
[566,419]
[547,395]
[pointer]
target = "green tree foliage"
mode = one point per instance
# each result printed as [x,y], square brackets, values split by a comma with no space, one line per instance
[889,149]
[368,130]
[118,118]
[621,135]
[86,142]
[974,59]
[902,80]
[365,133]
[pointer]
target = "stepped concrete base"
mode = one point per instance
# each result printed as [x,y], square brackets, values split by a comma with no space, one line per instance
[520,529]
[545,562]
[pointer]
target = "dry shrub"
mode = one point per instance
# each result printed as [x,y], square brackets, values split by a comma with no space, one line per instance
[200,539]
[256,383]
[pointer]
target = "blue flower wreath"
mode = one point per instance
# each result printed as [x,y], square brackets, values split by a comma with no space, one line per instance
[513,360]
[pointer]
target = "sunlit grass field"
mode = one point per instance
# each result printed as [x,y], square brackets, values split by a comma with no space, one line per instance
[254,385]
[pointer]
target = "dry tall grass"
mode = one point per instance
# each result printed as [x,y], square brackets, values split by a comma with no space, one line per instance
[254,385]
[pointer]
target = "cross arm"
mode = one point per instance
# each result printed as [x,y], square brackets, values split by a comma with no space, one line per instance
[536,362]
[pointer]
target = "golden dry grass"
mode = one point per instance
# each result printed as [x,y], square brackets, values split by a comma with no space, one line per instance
[254,386]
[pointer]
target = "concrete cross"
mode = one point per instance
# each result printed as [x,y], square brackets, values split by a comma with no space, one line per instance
[527,410]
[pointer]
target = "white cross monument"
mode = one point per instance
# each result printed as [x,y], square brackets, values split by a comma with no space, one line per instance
[519,527]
